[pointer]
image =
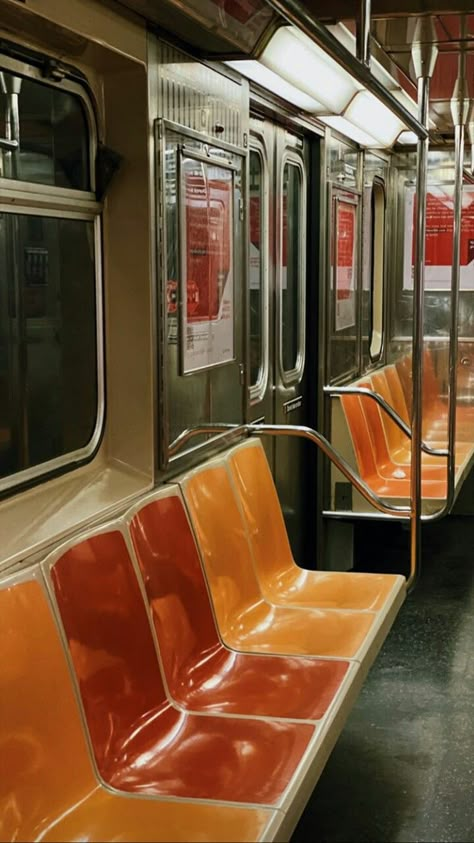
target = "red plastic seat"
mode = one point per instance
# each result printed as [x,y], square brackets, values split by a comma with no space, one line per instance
[143,743]
[201,673]
[48,790]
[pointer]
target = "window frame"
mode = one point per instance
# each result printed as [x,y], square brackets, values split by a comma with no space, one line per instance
[378,184]
[292,376]
[35,199]
[258,388]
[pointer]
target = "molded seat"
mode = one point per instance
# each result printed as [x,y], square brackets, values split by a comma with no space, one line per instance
[142,741]
[48,789]
[399,445]
[435,408]
[201,672]
[281,580]
[246,620]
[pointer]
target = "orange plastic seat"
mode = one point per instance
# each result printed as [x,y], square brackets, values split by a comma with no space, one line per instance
[281,580]
[144,743]
[48,789]
[381,475]
[435,408]
[246,620]
[201,673]
[399,445]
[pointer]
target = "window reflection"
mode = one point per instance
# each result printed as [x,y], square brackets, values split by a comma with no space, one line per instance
[256,267]
[48,347]
[53,134]
[290,266]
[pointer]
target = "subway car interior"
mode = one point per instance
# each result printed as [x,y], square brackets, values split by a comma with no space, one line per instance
[236,420]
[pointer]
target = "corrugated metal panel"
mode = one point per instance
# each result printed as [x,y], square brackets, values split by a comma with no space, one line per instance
[200,98]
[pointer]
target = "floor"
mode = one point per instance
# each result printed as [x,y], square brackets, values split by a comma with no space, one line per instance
[403,768]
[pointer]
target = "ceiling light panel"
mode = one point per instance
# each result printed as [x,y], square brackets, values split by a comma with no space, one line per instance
[303,64]
[346,128]
[273,82]
[371,115]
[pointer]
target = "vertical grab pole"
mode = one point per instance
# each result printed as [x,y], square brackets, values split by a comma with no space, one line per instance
[363,32]
[424,55]
[460,107]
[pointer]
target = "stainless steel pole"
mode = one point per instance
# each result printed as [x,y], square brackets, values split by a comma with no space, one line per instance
[418,332]
[424,53]
[363,33]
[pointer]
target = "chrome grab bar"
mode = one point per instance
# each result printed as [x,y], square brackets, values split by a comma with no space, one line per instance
[304,433]
[362,390]
[395,512]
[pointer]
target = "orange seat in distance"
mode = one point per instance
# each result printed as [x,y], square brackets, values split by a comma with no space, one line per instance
[281,580]
[48,789]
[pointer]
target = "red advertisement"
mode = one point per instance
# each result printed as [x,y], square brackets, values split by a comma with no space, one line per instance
[208,315]
[345,264]
[439,238]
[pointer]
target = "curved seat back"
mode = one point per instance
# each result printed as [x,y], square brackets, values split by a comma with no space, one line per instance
[251,474]
[361,435]
[44,761]
[395,437]
[110,641]
[222,537]
[174,582]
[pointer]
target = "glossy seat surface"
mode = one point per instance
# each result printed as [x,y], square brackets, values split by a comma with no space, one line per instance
[202,674]
[47,785]
[282,581]
[246,620]
[142,742]
[385,478]
[399,445]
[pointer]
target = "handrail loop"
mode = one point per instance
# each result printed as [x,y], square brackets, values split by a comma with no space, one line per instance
[362,390]
[305,433]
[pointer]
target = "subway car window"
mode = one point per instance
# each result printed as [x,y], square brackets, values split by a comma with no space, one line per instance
[378,270]
[48,350]
[50,379]
[256,269]
[291,269]
[49,128]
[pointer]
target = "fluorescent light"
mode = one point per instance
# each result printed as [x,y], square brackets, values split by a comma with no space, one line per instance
[346,128]
[273,82]
[407,138]
[306,66]
[371,115]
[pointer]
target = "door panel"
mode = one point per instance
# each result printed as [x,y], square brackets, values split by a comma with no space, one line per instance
[277,250]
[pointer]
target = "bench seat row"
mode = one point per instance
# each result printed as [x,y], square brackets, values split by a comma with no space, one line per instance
[173,675]
[383,451]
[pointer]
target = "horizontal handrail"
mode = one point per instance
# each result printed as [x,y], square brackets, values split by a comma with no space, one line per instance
[362,390]
[304,433]
[224,431]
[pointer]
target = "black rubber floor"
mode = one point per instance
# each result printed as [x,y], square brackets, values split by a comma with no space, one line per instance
[403,768]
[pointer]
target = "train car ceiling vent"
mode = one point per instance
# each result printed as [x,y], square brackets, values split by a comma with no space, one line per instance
[296,69]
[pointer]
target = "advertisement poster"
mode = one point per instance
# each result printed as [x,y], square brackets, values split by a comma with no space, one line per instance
[439,238]
[208,282]
[345,309]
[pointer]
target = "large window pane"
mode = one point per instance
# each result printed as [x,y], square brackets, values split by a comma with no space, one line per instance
[256,268]
[48,347]
[53,134]
[291,266]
